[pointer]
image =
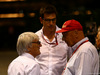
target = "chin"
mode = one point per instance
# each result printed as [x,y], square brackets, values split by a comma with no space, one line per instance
[69,45]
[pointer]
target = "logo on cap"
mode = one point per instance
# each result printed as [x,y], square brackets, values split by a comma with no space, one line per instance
[64,26]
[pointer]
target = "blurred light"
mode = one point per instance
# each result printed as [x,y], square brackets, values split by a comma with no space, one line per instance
[76,13]
[12,15]
[10,0]
[88,12]
[31,14]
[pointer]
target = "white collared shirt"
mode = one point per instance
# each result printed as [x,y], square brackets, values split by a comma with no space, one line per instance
[24,65]
[85,61]
[53,58]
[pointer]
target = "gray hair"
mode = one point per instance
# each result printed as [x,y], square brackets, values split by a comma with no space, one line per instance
[24,40]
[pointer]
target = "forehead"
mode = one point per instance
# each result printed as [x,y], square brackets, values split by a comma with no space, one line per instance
[66,33]
[53,15]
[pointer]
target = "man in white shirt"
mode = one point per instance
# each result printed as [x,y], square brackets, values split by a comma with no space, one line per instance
[53,57]
[85,59]
[28,46]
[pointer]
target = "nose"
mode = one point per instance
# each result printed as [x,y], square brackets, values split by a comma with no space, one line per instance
[51,22]
[40,44]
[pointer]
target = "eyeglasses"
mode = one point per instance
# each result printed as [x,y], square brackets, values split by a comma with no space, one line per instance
[48,20]
[38,42]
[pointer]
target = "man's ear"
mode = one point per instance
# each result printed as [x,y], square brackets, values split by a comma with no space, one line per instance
[28,48]
[41,20]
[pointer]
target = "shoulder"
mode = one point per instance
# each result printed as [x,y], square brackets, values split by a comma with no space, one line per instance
[88,46]
[39,32]
[88,49]
[23,61]
[21,64]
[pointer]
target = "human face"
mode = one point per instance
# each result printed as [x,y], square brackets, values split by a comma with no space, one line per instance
[49,22]
[35,48]
[98,41]
[68,38]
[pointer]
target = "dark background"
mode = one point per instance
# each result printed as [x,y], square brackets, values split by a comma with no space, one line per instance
[10,28]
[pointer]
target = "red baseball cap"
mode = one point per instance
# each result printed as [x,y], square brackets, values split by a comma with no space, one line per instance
[70,25]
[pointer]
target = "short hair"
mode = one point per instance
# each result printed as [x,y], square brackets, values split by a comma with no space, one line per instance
[48,10]
[24,40]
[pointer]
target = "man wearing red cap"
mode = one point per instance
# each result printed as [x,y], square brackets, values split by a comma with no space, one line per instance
[85,59]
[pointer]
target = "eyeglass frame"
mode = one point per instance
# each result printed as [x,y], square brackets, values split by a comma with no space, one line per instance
[48,20]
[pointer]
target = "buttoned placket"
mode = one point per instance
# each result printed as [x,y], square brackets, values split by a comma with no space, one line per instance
[50,47]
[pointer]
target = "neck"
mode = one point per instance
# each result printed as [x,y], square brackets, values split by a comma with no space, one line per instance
[49,34]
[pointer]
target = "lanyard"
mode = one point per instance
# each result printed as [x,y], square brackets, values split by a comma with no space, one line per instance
[79,46]
[56,42]
[75,51]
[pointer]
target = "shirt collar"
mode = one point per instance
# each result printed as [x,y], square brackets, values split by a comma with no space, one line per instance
[28,55]
[77,44]
[57,28]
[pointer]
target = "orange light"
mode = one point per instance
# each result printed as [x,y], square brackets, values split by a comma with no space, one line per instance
[88,12]
[32,14]
[76,13]
[10,0]
[12,15]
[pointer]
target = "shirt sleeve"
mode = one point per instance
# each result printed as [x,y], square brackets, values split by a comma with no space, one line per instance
[16,68]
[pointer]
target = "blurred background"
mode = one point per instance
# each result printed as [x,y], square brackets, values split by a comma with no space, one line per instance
[17,16]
